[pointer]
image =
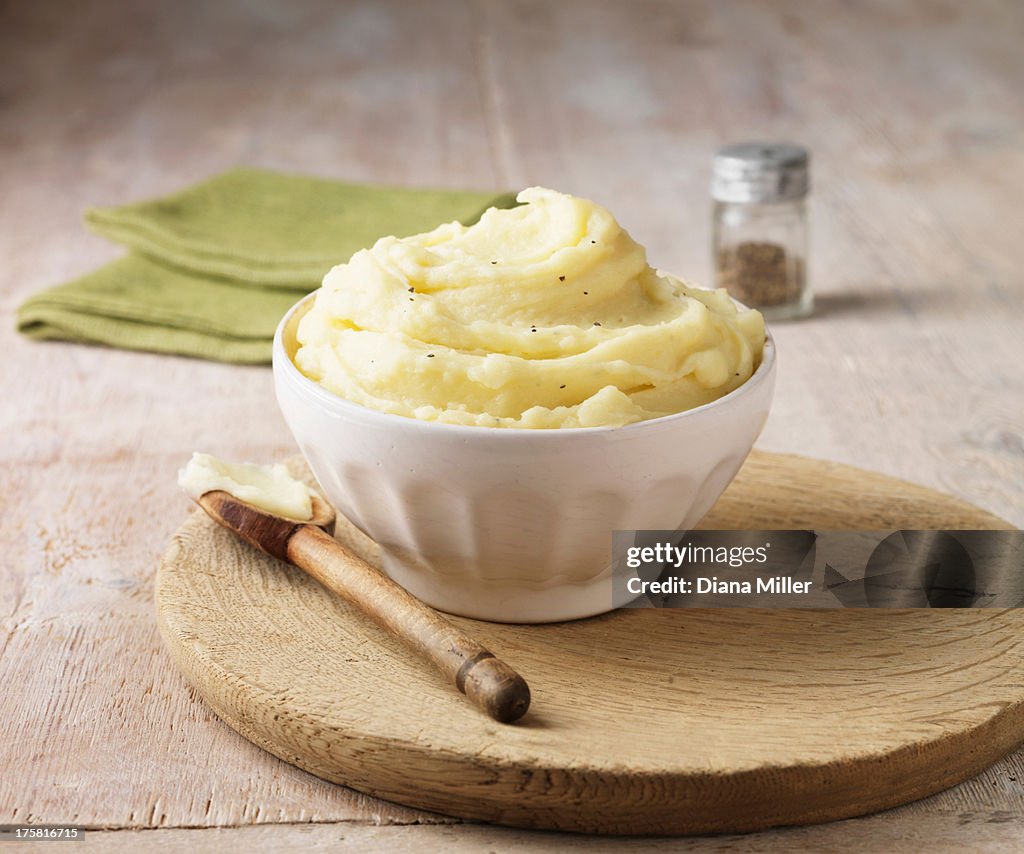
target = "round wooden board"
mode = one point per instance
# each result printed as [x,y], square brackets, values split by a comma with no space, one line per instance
[644,721]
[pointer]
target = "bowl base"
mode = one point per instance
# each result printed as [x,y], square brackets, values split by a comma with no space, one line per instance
[511,603]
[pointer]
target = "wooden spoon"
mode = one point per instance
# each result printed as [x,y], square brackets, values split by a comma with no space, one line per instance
[484,679]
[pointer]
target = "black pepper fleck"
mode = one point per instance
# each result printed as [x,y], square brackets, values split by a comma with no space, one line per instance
[596,323]
[561,386]
[561,278]
[593,241]
[412,290]
[494,262]
[586,293]
[430,355]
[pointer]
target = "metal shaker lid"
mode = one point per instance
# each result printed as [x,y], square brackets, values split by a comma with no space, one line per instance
[760,172]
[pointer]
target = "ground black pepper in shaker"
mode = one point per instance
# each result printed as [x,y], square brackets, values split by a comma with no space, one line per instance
[759,234]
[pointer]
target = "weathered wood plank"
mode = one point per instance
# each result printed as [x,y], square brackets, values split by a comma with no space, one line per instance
[994,833]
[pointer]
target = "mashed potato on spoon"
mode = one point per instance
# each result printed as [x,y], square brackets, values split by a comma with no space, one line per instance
[546,315]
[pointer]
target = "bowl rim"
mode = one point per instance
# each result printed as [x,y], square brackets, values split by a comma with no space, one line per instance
[283,366]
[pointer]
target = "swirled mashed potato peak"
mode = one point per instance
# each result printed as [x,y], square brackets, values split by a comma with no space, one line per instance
[546,315]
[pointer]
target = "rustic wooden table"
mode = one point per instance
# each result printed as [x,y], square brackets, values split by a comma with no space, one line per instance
[911,366]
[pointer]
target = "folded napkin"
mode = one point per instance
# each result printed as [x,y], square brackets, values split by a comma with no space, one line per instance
[213,268]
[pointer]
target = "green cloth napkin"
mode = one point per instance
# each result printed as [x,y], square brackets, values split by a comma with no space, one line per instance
[213,268]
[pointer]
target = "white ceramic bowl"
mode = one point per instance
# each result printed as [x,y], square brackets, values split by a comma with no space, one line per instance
[514,525]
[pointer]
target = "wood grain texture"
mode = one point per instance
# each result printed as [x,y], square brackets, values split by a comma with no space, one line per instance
[911,366]
[938,834]
[454,653]
[459,658]
[645,722]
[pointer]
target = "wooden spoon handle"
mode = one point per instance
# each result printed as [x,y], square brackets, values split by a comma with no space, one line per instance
[476,672]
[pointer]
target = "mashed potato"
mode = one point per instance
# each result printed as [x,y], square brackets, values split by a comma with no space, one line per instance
[546,315]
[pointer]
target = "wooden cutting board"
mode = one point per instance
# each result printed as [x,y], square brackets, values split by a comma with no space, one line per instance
[643,721]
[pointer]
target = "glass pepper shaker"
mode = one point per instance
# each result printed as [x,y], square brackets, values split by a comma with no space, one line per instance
[759,231]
